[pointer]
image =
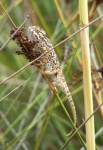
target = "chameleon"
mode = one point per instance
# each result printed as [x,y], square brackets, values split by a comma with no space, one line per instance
[50,64]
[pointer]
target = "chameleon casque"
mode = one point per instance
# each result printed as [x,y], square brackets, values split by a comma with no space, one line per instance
[49,63]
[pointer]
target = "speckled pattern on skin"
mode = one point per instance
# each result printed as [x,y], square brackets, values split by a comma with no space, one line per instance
[49,63]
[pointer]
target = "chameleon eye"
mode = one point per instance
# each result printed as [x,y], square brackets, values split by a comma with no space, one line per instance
[39,30]
[43,32]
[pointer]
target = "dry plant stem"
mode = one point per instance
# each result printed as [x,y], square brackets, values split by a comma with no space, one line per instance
[96,90]
[65,26]
[96,51]
[74,18]
[46,52]
[82,125]
[94,6]
[14,90]
[56,94]
[88,99]
[78,135]
[61,16]
[64,23]
[78,31]
[8,15]
[98,101]
[14,33]
[46,78]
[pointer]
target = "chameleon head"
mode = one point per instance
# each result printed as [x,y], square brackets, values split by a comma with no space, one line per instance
[36,32]
[38,35]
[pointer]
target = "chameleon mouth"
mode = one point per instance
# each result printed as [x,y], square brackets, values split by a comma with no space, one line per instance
[32,28]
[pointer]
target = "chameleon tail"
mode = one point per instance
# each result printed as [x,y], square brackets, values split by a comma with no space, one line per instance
[67,92]
[63,86]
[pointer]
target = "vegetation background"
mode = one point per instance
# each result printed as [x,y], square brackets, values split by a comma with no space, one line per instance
[24,111]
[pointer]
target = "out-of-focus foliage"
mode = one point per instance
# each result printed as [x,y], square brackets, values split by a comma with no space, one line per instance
[23,111]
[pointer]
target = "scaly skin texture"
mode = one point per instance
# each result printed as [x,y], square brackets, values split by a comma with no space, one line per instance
[49,63]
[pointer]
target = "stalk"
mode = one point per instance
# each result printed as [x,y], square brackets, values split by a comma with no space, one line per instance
[88,99]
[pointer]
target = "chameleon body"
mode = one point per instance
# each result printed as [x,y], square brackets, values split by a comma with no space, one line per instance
[49,63]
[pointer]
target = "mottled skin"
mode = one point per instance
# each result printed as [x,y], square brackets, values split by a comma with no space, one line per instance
[49,63]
